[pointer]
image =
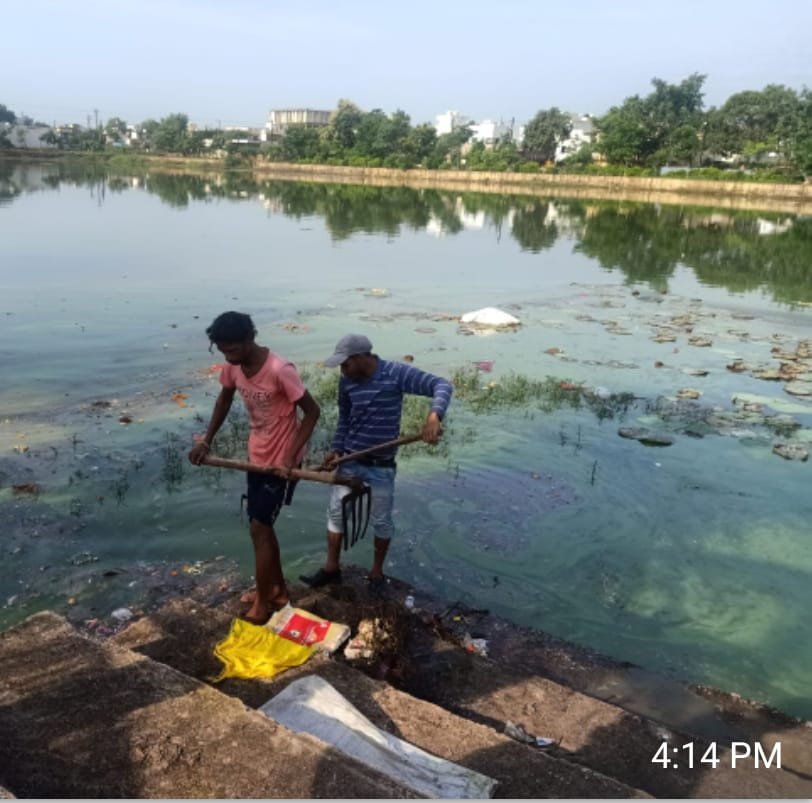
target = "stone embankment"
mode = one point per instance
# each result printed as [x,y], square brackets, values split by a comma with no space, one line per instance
[789,198]
[793,199]
[137,716]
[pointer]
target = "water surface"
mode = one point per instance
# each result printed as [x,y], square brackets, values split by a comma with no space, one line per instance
[693,559]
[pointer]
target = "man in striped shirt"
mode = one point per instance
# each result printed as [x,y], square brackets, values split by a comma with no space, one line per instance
[370,404]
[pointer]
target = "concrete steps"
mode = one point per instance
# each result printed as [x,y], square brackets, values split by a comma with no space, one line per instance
[183,632]
[80,719]
[609,738]
[136,717]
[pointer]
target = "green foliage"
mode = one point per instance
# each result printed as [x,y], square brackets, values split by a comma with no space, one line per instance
[659,129]
[715,174]
[170,134]
[606,170]
[543,133]
[300,142]
[344,124]
[751,124]
[515,391]
[6,115]
[581,157]
[501,157]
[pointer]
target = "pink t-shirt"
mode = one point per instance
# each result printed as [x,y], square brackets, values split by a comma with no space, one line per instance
[270,398]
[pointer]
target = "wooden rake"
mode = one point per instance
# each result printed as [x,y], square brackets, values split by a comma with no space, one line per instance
[356,506]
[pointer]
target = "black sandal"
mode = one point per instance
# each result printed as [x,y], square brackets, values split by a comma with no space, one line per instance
[321,578]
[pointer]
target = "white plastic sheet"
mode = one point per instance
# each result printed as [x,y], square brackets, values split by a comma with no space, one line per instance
[311,705]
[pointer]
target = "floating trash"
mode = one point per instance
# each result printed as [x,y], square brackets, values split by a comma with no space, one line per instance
[737,366]
[700,341]
[798,388]
[770,374]
[476,646]
[490,317]
[791,451]
[26,488]
[519,733]
[689,393]
[83,558]
[645,436]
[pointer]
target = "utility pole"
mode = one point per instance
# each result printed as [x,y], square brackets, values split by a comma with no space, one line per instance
[96,113]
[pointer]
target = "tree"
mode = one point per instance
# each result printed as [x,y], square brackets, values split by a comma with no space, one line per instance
[115,129]
[300,142]
[170,134]
[420,143]
[800,142]
[381,135]
[343,126]
[449,146]
[660,128]
[543,133]
[6,115]
[624,136]
[752,123]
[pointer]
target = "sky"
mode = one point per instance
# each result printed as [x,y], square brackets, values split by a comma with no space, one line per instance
[228,62]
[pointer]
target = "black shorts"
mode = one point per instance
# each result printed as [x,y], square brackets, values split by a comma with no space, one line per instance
[266,495]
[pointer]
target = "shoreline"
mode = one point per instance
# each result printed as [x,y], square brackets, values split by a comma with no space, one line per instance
[793,199]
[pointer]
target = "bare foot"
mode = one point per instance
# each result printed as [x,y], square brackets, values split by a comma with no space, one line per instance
[257,614]
[278,598]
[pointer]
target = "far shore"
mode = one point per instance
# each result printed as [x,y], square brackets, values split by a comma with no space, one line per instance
[793,199]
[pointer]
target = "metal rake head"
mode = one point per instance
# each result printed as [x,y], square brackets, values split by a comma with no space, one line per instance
[354,516]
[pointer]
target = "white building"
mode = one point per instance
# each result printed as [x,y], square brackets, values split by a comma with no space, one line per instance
[448,121]
[583,131]
[491,132]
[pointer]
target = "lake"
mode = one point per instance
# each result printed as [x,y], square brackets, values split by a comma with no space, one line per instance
[692,559]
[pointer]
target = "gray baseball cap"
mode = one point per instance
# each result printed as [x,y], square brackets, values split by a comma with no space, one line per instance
[348,346]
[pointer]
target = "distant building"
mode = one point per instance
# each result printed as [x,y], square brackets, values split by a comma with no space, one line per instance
[583,132]
[491,132]
[242,134]
[450,120]
[28,136]
[280,119]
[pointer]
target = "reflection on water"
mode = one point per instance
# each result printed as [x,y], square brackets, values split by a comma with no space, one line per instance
[736,251]
[692,558]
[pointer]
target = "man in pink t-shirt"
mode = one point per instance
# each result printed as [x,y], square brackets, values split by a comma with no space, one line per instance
[271,391]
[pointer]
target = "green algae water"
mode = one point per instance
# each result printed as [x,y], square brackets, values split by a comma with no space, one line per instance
[692,559]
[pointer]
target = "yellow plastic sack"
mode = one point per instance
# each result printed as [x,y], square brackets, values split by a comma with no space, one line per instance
[252,651]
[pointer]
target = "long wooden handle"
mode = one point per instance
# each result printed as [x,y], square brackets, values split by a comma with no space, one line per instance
[328,477]
[401,441]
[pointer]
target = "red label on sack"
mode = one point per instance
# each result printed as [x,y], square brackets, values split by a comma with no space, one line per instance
[303,630]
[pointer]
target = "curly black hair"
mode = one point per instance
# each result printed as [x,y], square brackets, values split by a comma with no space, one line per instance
[231,327]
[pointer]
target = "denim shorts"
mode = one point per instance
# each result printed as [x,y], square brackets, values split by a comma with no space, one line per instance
[266,495]
[381,480]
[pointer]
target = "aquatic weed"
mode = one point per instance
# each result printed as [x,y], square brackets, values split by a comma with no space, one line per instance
[173,462]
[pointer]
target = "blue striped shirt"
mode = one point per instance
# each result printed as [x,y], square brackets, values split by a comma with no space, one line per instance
[369,412]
